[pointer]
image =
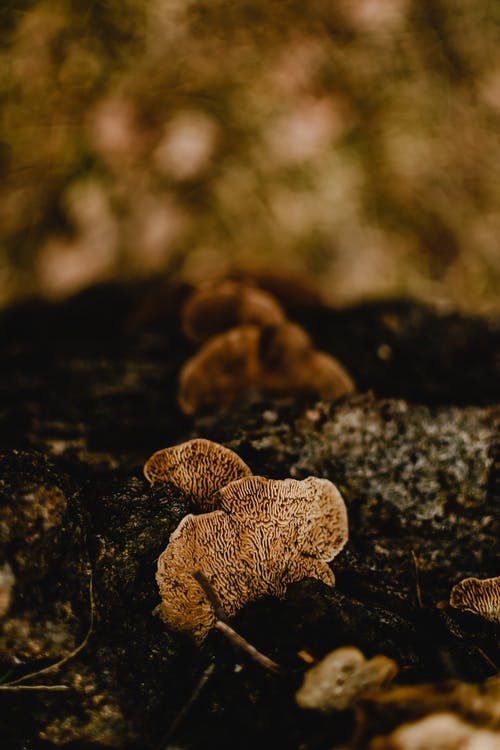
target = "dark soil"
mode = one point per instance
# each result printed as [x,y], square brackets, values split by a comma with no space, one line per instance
[88,392]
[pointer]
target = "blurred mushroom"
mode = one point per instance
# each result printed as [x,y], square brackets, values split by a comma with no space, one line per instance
[223,368]
[288,363]
[275,360]
[7,581]
[439,731]
[267,534]
[198,467]
[480,596]
[225,305]
[341,678]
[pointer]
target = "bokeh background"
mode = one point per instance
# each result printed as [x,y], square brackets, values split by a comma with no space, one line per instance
[355,141]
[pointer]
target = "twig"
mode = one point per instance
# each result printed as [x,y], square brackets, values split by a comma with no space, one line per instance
[227,630]
[242,643]
[209,592]
[417,580]
[187,706]
[488,659]
[71,655]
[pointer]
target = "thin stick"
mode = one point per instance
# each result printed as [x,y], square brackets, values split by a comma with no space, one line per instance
[488,659]
[209,592]
[187,706]
[227,630]
[417,580]
[72,654]
[242,643]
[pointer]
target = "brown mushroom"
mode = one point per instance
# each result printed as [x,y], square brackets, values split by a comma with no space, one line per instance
[480,596]
[288,366]
[274,360]
[267,534]
[341,678]
[228,304]
[198,467]
[438,731]
[223,368]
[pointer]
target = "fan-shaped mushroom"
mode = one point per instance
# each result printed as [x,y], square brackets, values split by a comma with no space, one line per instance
[199,467]
[267,534]
[480,596]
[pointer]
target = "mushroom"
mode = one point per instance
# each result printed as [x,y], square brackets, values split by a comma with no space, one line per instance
[267,534]
[289,363]
[7,581]
[228,304]
[223,368]
[480,596]
[438,731]
[199,467]
[341,678]
[275,360]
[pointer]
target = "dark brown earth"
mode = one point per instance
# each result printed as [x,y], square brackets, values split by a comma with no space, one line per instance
[88,392]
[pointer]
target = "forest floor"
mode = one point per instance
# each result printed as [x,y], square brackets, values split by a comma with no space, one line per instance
[88,392]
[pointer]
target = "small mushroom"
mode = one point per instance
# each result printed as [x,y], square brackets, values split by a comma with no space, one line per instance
[275,360]
[480,596]
[267,534]
[228,304]
[199,467]
[341,678]
[223,368]
[438,731]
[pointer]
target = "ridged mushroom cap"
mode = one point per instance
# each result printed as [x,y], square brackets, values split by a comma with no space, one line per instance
[341,678]
[228,304]
[311,512]
[199,467]
[480,596]
[268,534]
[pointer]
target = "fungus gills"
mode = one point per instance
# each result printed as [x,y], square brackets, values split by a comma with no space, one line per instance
[479,596]
[198,467]
[262,535]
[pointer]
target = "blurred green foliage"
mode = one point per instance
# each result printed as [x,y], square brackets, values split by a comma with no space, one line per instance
[357,142]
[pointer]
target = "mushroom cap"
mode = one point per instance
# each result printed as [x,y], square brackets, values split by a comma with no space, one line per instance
[282,346]
[341,677]
[199,467]
[228,304]
[480,596]
[223,368]
[267,534]
[328,377]
[310,513]
[440,731]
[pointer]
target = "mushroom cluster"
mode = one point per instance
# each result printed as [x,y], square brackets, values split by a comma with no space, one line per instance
[254,535]
[248,344]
